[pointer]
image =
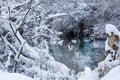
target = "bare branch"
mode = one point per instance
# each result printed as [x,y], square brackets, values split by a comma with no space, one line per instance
[29,8]
[17,56]
[14,33]
[12,26]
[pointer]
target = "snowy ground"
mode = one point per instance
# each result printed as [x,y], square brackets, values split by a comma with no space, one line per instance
[13,76]
[114,74]
[86,75]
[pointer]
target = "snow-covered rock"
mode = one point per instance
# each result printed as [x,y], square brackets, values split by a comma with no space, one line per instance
[109,63]
[111,28]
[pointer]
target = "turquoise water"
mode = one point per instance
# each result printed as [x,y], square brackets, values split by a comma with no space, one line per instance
[84,47]
[91,52]
[86,53]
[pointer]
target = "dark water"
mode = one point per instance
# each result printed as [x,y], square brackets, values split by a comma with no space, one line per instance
[86,53]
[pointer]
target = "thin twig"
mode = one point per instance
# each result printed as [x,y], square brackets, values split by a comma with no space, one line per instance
[30,3]
[14,33]
[12,26]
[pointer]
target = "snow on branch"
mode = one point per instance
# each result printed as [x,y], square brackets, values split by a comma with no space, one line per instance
[9,45]
[21,23]
[56,15]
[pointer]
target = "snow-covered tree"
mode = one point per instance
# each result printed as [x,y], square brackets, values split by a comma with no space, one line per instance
[27,40]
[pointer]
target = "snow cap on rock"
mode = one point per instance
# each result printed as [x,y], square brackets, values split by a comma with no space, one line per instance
[111,29]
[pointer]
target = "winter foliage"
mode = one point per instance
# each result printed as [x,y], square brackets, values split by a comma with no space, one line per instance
[30,29]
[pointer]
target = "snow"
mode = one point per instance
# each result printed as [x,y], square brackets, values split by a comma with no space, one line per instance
[109,68]
[106,64]
[111,28]
[55,66]
[39,62]
[50,69]
[8,60]
[13,76]
[88,74]
[73,41]
[114,74]
[70,47]
[56,15]
[60,42]
[30,51]
[54,70]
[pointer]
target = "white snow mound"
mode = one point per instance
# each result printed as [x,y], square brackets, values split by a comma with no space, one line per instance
[13,76]
[114,74]
[111,28]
